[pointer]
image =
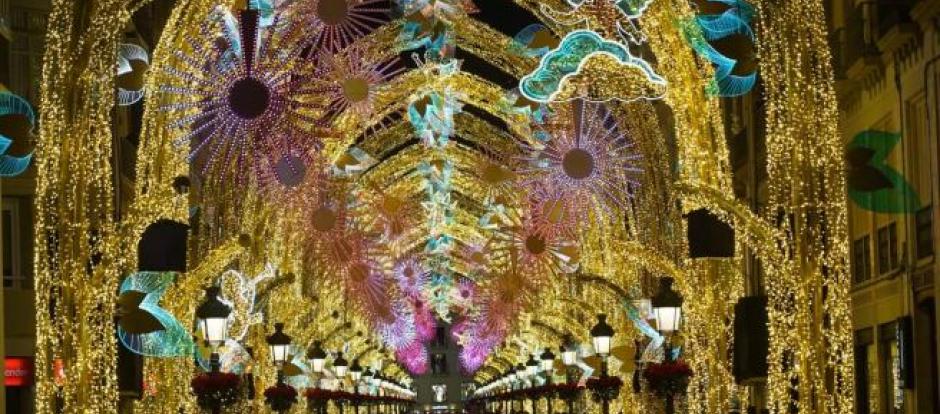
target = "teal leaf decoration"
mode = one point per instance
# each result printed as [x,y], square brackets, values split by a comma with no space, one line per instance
[873,184]
[10,104]
[566,60]
[148,329]
[726,40]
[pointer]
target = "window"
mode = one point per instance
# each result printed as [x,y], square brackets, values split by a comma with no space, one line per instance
[12,276]
[888,248]
[923,224]
[26,55]
[439,364]
[861,259]
[866,380]
[888,368]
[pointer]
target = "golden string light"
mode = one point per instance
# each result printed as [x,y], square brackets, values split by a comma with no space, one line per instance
[77,276]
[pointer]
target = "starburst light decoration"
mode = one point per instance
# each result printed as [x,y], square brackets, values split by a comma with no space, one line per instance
[341,21]
[224,111]
[351,80]
[591,160]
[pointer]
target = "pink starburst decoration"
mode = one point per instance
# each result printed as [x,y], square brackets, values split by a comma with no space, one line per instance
[412,276]
[401,330]
[286,161]
[342,21]
[351,80]
[590,160]
[414,357]
[425,321]
[226,109]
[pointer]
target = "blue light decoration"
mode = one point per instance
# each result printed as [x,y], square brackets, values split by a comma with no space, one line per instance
[873,184]
[433,120]
[730,29]
[128,53]
[13,105]
[653,350]
[534,40]
[428,24]
[567,60]
[146,328]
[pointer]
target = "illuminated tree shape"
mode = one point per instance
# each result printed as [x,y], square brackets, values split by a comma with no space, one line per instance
[133,62]
[873,184]
[559,64]
[18,122]
[146,328]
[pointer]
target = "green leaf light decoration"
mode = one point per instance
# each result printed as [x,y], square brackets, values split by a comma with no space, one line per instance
[873,184]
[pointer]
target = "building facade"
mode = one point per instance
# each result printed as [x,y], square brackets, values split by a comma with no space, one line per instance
[22,33]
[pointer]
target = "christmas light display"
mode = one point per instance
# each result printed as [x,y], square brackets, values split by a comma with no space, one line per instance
[470,175]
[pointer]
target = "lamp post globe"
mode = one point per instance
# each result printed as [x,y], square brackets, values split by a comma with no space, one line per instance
[548,360]
[279,344]
[340,365]
[667,307]
[601,335]
[355,371]
[213,314]
[317,357]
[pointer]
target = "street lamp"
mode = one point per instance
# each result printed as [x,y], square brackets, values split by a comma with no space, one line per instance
[548,361]
[340,365]
[355,371]
[532,367]
[601,334]
[317,357]
[667,307]
[279,344]
[213,322]
[569,354]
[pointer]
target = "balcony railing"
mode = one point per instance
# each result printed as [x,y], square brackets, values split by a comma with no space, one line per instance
[859,39]
[892,13]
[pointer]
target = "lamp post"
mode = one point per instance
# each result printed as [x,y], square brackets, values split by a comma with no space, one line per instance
[213,322]
[548,365]
[601,335]
[279,344]
[532,371]
[355,373]
[340,365]
[520,378]
[367,379]
[667,309]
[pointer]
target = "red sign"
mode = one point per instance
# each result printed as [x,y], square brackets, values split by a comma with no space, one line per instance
[18,371]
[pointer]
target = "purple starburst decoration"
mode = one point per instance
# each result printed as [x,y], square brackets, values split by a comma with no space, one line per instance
[414,357]
[412,276]
[351,80]
[591,160]
[342,21]
[225,110]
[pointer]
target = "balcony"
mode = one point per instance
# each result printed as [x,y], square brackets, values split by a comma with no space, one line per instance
[860,54]
[5,30]
[895,26]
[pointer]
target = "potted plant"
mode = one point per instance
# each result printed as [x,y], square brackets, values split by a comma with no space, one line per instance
[215,390]
[604,388]
[667,380]
[280,397]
